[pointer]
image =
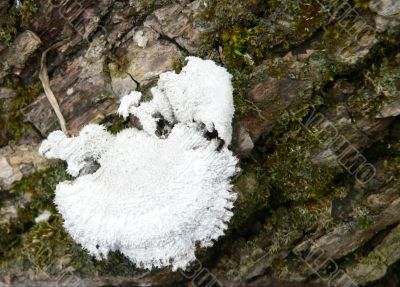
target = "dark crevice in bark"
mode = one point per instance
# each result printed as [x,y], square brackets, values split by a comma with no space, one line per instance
[173,41]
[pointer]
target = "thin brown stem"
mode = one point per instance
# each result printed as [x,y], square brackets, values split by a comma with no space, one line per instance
[44,78]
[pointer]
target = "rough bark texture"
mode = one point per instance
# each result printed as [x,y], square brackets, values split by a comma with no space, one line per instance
[317,99]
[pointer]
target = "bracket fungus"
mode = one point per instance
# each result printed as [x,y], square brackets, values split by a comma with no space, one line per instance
[155,196]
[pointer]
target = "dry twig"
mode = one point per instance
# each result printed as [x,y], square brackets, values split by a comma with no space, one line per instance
[44,78]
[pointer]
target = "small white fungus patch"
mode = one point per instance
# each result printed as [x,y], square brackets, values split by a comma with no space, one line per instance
[154,198]
[44,216]
[140,39]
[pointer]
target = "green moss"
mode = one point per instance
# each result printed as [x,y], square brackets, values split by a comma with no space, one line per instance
[249,31]
[311,73]
[48,247]
[12,120]
[278,263]
[361,4]
[115,123]
[309,16]
[235,29]
[39,189]
[239,45]
[340,35]
[293,174]
[294,177]
[116,265]
[291,222]
[240,89]
[254,190]
[121,62]
[17,18]
[381,86]
[7,34]
[278,231]
[27,11]
[179,63]
[364,223]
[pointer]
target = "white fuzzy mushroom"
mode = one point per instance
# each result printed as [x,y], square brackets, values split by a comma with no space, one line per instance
[201,92]
[152,199]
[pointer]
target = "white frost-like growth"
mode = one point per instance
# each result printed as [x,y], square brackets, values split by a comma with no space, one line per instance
[202,93]
[93,141]
[153,198]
